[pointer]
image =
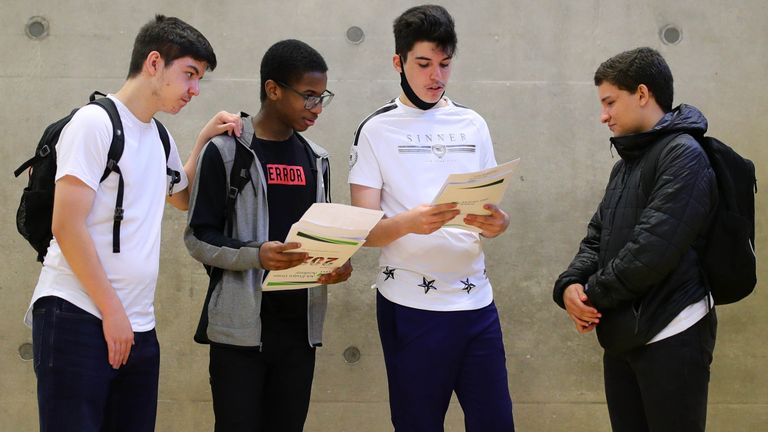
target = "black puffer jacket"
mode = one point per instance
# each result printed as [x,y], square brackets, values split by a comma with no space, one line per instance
[638,257]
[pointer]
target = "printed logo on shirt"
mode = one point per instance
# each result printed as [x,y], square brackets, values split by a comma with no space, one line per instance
[438,144]
[439,150]
[286,175]
[353,156]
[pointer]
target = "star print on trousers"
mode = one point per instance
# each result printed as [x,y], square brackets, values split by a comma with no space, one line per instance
[467,286]
[389,273]
[427,285]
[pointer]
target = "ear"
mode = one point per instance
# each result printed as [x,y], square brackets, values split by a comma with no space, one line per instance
[273,90]
[644,95]
[397,64]
[153,63]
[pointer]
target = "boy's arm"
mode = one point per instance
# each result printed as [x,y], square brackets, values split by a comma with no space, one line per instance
[424,219]
[73,201]
[222,122]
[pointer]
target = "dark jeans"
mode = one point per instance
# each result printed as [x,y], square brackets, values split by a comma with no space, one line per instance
[429,355]
[77,389]
[662,386]
[264,390]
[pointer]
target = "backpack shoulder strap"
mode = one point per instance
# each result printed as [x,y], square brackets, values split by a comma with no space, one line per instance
[113,157]
[118,139]
[166,140]
[239,176]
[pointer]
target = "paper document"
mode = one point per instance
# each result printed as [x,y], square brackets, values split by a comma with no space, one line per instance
[330,234]
[471,191]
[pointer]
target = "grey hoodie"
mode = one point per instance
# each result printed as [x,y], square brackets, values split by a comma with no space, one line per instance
[231,312]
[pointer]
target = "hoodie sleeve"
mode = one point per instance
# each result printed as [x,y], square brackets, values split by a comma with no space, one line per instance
[677,211]
[585,263]
[204,236]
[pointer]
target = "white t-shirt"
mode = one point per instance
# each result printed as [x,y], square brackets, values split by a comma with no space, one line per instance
[689,316]
[82,152]
[408,153]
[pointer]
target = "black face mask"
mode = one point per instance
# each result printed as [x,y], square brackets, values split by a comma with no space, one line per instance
[410,94]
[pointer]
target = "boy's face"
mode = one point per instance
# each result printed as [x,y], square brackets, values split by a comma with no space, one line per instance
[621,110]
[178,83]
[292,105]
[427,69]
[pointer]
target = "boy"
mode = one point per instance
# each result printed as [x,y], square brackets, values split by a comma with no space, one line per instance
[96,355]
[262,344]
[637,276]
[438,324]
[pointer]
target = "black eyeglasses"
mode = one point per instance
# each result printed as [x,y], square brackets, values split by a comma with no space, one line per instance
[311,102]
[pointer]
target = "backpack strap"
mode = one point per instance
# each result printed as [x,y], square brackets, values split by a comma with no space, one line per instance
[239,176]
[113,157]
[173,174]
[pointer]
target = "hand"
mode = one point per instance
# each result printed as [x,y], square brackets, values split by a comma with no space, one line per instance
[426,219]
[222,122]
[339,275]
[119,336]
[491,225]
[273,255]
[583,315]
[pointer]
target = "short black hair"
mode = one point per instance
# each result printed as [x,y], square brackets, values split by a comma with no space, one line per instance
[639,66]
[173,39]
[429,23]
[287,61]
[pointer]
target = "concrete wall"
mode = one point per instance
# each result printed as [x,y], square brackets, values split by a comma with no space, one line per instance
[524,65]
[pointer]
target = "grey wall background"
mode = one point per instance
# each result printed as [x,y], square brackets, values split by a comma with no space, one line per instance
[526,66]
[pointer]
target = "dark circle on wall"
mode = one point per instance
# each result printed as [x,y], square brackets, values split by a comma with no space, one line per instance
[36,28]
[351,355]
[671,34]
[355,35]
[25,351]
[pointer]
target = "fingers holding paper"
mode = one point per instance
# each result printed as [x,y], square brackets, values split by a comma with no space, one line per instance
[490,225]
[340,274]
[275,255]
[426,219]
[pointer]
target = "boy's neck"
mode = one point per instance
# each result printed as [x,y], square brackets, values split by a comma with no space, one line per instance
[138,97]
[268,126]
[404,99]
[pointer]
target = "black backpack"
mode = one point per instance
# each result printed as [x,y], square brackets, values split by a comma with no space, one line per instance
[35,212]
[728,256]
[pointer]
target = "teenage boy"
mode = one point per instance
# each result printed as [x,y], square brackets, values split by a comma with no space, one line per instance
[96,354]
[262,344]
[438,324]
[637,277]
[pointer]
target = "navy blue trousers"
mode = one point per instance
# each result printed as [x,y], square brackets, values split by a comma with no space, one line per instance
[429,355]
[77,389]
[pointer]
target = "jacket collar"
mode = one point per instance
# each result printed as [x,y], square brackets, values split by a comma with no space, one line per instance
[682,119]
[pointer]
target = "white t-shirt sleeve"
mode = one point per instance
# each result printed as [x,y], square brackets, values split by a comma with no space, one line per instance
[174,163]
[83,146]
[487,157]
[364,167]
